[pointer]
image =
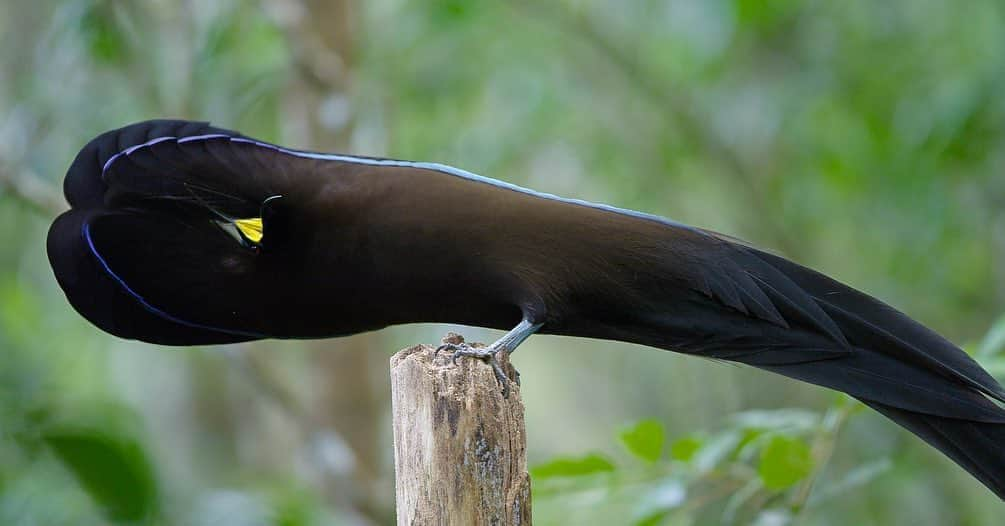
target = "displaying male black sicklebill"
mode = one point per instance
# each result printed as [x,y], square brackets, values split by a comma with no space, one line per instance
[185,234]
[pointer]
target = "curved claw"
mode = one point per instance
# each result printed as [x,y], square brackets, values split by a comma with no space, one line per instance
[486,354]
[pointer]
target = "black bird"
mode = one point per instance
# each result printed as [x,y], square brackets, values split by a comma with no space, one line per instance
[185,234]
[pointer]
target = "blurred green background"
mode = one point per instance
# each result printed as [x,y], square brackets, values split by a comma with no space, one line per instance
[864,139]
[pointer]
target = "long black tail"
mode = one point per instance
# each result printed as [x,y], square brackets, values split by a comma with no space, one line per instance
[906,372]
[759,309]
[979,447]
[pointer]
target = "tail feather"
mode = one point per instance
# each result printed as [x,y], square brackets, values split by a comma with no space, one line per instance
[84,185]
[872,323]
[872,375]
[835,336]
[908,373]
[977,447]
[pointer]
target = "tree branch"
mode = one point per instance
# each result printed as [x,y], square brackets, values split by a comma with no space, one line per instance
[460,445]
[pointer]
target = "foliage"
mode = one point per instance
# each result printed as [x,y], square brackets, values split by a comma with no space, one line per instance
[784,461]
[644,440]
[112,467]
[763,463]
[761,468]
[573,467]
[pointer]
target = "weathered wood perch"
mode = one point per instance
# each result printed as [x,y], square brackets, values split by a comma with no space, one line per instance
[459,446]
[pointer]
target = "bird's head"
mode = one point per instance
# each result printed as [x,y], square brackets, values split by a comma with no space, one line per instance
[178,233]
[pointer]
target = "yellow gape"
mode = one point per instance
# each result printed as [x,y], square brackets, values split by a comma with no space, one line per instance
[251,228]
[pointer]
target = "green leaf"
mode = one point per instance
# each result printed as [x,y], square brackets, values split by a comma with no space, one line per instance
[784,461]
[293,506]
[105,40]
[573,467]
[112,468]
[653,520]
[764,13]
[644,439]
[684,449]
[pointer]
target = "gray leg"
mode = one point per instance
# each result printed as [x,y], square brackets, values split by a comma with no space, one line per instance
[508,343]
[512,339]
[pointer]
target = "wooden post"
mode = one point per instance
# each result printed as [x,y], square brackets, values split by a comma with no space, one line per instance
[459,446]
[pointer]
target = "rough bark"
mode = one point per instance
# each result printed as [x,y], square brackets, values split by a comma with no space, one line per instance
[459,446]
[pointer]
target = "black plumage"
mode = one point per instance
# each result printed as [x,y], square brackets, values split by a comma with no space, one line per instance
[351,244]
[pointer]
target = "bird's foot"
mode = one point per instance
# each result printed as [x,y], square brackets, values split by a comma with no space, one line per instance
[488,355]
